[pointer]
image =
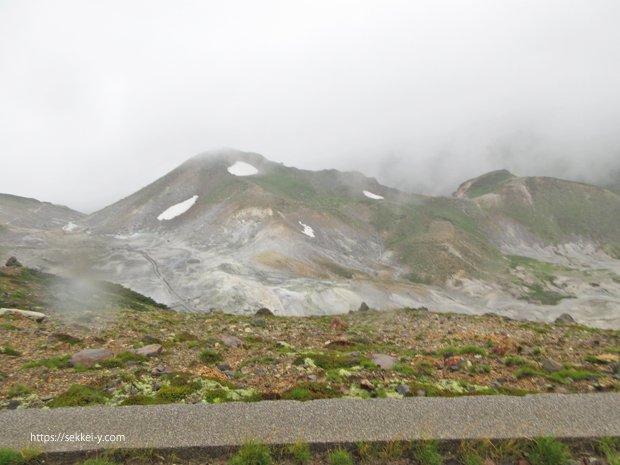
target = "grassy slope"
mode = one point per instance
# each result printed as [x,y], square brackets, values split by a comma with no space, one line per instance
[488,183]
[31,289]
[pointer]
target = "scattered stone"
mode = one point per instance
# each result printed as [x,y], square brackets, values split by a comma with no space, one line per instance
[90,356]
[149,351]
[565,319]
[364,307]
[259,323]
[420,393]
[403,389]
[313,378]
[338,325]
[367,385]
[231,341]
[159,370]
[551,365]
[13,404]
[264,312]
[13,263]
[224,367]
[384,361]
[36,316]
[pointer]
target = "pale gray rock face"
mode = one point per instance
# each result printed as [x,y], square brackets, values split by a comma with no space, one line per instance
[312,243]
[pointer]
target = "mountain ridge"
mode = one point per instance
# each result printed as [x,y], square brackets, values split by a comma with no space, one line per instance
[243,232]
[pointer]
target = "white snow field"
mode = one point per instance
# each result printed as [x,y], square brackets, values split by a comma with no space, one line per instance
[241,168]
[178,209]
[370,195]
[308,231]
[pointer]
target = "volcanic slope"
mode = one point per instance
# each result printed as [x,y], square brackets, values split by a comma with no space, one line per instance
[234,231]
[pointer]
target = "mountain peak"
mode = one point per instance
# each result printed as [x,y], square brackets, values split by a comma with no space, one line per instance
[483,184]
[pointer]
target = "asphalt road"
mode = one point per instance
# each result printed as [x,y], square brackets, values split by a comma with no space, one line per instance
[325,421]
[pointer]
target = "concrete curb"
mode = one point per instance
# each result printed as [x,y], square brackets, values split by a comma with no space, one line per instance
[179,426]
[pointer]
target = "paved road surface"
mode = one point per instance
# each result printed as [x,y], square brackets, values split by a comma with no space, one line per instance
[319,422]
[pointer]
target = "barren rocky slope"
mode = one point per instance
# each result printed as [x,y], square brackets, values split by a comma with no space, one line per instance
[231,230]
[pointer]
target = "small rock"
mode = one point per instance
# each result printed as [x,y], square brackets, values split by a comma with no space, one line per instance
[551,365]
[312,377]
[231,341]
[13,404]
[259,323]
[13,263]
[403,389]
[565,319]
[367,385]
[36,316]
[159,370]
[90,357]
[384,361]
[47,398]
[364,307]
[264,312]
[224,367]
[420,393]
[149,351]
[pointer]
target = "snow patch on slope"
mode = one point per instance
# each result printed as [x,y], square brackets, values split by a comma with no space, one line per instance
[370,195]
[308,231]
[178,209]
[241,168]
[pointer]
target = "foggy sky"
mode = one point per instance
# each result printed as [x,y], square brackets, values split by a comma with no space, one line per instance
[97,99]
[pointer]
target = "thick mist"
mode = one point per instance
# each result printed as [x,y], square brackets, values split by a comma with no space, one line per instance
[100,98]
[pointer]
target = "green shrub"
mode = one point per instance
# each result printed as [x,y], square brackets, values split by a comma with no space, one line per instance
[610,448]
[309,391]
[548,451]
[78,395]
[121,359]
[427,453]
[339,457]
[514,360]
[59,362]
[471,458]
[11,457]
[210,357]
[141,399]
[10,351]
[19,390]
[300,452]
[252,453]
[565,376]
[527,371]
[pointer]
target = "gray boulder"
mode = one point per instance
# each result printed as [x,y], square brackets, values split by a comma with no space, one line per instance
[89,357]
[149,351]
[384,361]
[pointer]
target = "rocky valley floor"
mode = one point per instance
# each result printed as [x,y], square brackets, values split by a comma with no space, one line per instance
[160,356]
